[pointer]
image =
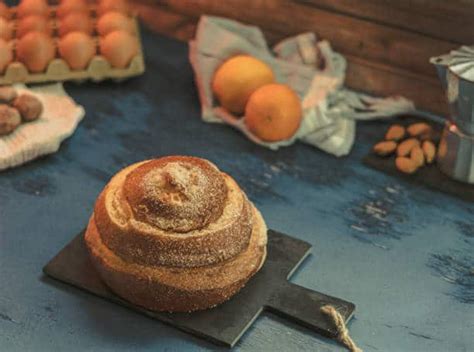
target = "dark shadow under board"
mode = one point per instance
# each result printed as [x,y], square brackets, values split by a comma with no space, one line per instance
[226,323]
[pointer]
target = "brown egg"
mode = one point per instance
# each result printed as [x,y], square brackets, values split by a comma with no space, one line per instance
[70,6]
[5,11]
[119,48]
[33,23]
[6,54]
[75,22]
[113,21]
[112,5]
[77,48]
[6,29]
[35,50]
[32,7]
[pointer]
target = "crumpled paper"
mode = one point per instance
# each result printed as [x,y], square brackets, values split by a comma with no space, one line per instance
[59,119]
[310,67]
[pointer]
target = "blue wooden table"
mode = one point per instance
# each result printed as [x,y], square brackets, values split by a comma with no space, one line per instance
[403,254]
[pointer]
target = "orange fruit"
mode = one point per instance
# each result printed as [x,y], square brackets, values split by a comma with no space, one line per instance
[273,113]
[237,78]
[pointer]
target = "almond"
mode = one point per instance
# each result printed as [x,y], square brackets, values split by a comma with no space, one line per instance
[405,165]
[417,156]
[429,150]
[395,133]
[419,129]
[406,146]
[385,148]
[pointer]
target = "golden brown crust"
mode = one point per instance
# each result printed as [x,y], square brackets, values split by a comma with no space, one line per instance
[176,193]
[178,289]
[175,234]
[141,242]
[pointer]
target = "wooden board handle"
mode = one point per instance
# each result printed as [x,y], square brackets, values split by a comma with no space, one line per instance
[303,306]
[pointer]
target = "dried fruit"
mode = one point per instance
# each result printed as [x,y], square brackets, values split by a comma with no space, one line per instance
[405,147]
[395,133]
[429,150]
[405,165]
[419,129]
[29,107]
[417,156]
[385,148]
[9,119]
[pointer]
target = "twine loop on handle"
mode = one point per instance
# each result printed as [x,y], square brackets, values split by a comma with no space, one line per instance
[342,331]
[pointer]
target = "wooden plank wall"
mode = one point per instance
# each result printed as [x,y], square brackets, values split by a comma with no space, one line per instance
[387,43]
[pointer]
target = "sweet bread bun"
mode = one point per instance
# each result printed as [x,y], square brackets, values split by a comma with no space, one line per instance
[175,234]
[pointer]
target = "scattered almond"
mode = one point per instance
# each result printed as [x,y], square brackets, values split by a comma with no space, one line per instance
[419,129]
[405,147]
[385,148]
[429,150]
[406,165]
[395,133]
[417,156]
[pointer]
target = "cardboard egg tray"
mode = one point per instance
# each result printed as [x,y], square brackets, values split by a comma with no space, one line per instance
[58,70]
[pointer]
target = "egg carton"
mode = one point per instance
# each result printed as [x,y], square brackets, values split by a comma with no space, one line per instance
[98,69]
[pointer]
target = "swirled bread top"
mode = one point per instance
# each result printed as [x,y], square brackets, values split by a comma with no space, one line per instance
[176,193]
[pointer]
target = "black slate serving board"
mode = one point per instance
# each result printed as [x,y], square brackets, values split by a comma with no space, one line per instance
[429,175]
[225,324]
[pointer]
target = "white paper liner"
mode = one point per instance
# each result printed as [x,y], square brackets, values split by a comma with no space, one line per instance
[58,121]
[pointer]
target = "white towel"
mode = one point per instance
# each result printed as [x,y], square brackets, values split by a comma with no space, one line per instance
[310,67]
[58,121]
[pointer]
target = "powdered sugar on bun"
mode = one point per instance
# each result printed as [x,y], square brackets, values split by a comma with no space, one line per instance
[183,224]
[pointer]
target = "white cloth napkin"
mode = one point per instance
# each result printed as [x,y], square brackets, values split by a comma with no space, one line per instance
[310,67]
[58,121]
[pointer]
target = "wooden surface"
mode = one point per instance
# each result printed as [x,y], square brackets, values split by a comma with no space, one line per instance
[403,254]
[448,20]
[388,44]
